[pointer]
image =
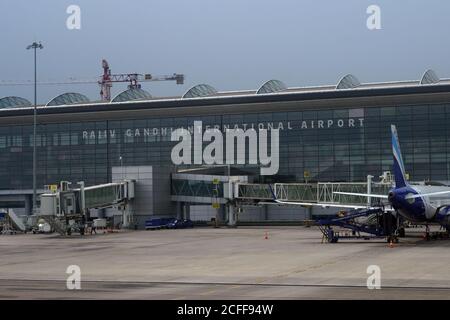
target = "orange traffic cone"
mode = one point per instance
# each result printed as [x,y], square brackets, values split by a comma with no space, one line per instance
[266,236]
[391,244]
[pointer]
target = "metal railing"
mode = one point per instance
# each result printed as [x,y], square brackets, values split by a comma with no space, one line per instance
[196,188]
[296,191]
[254,191]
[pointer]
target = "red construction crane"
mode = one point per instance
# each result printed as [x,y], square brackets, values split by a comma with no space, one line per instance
[107,79]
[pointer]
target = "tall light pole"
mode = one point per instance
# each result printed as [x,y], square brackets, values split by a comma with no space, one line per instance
[34,46]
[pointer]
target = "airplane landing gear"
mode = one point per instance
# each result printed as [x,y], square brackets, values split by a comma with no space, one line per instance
[427,233]
[400,229]
[393,228]
[392,239]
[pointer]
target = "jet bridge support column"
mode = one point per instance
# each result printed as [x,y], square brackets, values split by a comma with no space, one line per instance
[82,198]
[186,211]
[231,215]
[28,205]
[126,217]
[310,213]
[179,210]
[369,189]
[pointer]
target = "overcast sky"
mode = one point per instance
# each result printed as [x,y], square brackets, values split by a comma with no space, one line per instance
[229,44]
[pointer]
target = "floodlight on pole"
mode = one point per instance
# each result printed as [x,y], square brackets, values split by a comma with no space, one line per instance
[34,46]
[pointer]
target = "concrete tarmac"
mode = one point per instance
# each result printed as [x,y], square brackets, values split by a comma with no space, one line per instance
[207,263]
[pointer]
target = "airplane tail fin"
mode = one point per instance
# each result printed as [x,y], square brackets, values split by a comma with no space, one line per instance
[399,167]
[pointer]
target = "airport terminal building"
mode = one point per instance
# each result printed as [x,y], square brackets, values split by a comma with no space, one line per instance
[337,133]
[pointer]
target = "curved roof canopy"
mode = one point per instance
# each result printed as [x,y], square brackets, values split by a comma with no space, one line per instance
[68,98]
[429,77]
[200,90]
[11,102]
[272,86]
[349,81]
[132,94]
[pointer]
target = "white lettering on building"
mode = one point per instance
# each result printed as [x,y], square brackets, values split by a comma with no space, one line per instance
[321,124]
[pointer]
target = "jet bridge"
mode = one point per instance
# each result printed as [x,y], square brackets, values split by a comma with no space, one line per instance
[65,206]
[321,192]
[235,192]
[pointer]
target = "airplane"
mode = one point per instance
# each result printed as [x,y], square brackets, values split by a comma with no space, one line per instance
[417,204]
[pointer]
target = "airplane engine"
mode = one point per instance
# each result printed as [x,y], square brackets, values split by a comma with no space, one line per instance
[443,216]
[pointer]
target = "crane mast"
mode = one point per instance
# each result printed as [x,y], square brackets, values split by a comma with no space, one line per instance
[105,83]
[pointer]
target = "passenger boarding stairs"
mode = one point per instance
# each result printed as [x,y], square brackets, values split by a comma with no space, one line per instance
[373,222]
[13,224]
[16,221]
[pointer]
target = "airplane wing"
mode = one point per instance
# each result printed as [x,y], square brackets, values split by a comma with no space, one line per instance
[379,196]
[427,194]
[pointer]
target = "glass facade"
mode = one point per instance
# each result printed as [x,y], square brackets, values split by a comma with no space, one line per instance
[272,86]
[348,82]
[327,145]
[68,98]
[132,94]
[11,102]
[200,90]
